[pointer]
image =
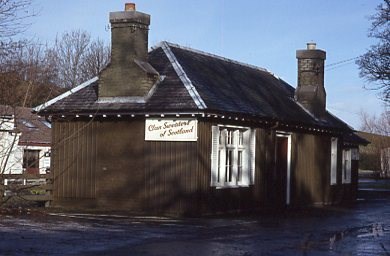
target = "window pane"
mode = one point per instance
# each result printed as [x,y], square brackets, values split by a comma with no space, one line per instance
[230,137]
[233,156]
[229,166]
[345,170]
[219,167]
[346,175]
[240,138]
[239,166]
[31,159]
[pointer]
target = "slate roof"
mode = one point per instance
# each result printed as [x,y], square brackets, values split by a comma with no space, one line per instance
[355,139]
[194,81]
[34,129]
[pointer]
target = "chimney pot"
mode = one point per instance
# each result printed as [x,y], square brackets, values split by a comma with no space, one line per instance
[129,7]
[311,46]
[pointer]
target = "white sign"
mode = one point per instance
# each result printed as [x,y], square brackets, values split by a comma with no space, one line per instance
[177,129]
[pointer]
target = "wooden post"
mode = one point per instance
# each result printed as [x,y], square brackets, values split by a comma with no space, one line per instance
[48,189]
[2,189]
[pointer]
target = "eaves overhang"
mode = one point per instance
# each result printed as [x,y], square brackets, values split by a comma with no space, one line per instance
[270,123]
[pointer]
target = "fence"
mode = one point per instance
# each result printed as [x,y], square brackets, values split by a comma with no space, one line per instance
[29,187]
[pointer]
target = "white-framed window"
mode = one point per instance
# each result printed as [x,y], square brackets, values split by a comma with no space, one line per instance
[233,156]
[31,161]
[347,165]
[333,161]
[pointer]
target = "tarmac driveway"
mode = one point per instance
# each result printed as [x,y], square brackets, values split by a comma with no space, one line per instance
[360,230]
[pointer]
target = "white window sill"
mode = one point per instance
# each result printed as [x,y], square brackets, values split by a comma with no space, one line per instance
[231,186]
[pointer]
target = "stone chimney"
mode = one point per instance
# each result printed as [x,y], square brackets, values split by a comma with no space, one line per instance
[310,92]
[129,76]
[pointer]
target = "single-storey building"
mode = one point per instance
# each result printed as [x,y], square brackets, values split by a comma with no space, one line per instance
[180,131]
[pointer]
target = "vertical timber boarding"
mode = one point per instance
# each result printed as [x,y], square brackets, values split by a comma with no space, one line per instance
[269,166]
[178,174]
[301,193]
[260,187]
[171,179]
[174,177]
[120,164]
[184,186]
[311,170]
[74,165]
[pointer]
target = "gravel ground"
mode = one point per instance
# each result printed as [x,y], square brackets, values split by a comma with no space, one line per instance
[363,229]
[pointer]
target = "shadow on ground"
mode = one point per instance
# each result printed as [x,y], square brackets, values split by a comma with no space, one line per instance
[362,229]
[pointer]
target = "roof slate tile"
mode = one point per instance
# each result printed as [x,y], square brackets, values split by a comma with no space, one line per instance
[224,85]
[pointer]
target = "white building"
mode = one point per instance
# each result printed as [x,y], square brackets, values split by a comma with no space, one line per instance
[24,142]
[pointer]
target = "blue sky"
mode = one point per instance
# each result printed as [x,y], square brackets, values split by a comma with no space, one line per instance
[262,33]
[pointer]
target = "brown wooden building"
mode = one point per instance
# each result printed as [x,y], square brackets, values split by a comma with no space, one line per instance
[180,131]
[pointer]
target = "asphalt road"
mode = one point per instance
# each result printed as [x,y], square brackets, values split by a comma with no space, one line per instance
[363,229]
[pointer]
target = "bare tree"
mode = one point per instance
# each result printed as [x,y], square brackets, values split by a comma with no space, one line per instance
[375,64]
[14,16]
[96,59]
[376,124]
[27,77]
[376,156]
[69,50]
[78,58]
[14,20]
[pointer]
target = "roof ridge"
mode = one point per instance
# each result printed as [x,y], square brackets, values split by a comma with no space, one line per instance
[183,76]
[65,94]
[213,56]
